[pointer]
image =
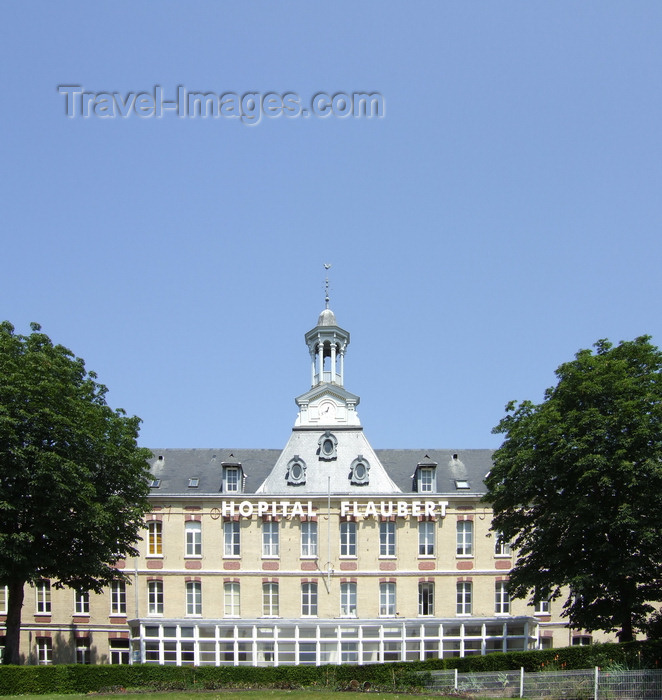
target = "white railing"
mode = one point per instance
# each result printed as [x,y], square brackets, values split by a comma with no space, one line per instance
[589,684]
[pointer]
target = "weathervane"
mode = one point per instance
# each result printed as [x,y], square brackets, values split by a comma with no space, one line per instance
[326,285]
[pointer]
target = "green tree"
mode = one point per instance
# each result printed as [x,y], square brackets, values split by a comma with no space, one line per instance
[576,486]
[73,482]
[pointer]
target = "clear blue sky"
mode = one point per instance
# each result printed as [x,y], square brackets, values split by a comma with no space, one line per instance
[505,211]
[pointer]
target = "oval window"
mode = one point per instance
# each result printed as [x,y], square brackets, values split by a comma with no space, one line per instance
[296,471]
[359,471]
[327,446]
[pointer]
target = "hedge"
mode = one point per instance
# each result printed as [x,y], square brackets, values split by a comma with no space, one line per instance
[19,680]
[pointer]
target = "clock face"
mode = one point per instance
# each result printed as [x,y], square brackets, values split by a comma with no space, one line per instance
[327,411]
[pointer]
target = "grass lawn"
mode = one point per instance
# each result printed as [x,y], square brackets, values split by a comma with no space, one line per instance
[238,695]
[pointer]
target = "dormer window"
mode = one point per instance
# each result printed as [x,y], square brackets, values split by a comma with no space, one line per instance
[426,480]
[296,471]
[193,482]
[462,484]
[328,444]
[231,479]
[359,471]
[426,477]
[155,483]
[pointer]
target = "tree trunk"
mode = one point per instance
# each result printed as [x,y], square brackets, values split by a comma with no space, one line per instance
[13,634]
[626,634]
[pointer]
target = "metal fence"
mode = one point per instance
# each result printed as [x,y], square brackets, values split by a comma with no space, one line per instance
[590,684]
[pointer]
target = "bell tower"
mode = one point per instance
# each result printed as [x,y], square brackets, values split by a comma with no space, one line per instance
[327,403]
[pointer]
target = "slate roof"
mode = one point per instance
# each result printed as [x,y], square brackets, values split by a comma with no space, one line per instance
[177,466]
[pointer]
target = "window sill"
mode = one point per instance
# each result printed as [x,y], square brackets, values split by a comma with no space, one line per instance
[154,556]
[464,556]
[193,556]
[388,556]
[427,556]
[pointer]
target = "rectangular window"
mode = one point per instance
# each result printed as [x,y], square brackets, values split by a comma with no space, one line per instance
[231,541]
[542,608]
[231,479]
[309,539]
[82,602]
[308,599]
[44,651]
[348,599]
[501,598]
[347,539]
[193,598]
[4,597]
[270,538]
[270,607]
[386,538]
[465,537]
[426,598]
[463,598]
[426,538]
[387,599]
[118,598]
[43,593]
[154,538]
[426,480]
[155,597]
[501,546]
[119,651]
[582,640]
[193,539]
[231,599]
[83,650]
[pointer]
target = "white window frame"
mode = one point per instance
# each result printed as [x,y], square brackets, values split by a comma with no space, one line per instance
[309,539]
[309,599]
[231,538]
[270,539]
[387,539]
[43,597]
[387,599]
[348,539]
[154,538]
[501,546]
[542,607]
[232,479]
[81,602]
[4,599]
[120,651]
[426,598]
[465,538]
[426,480]
[348,599]
[155,597]
[231,599]
[194,599]
[193,531]
[270,599]
[83,650]
[118,598]
[463,592]
[501,598]
[426,537]
[44,651]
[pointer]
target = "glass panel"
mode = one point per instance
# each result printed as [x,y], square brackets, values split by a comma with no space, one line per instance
[370,652]
[151,631]
[328,632]
[307,632]
[188,654]
[206,631]
[308,653]
[169,631]
[187,631]
[392,651]
[368,632]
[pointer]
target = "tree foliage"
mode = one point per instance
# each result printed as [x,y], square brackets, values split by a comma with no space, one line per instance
[73,482]
[577,488]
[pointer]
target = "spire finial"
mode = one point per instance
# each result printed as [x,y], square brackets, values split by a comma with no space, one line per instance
[326,285]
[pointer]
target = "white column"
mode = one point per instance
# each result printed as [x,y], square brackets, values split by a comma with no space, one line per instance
[320,376]
[342,366]
[333,363]
[312,368]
